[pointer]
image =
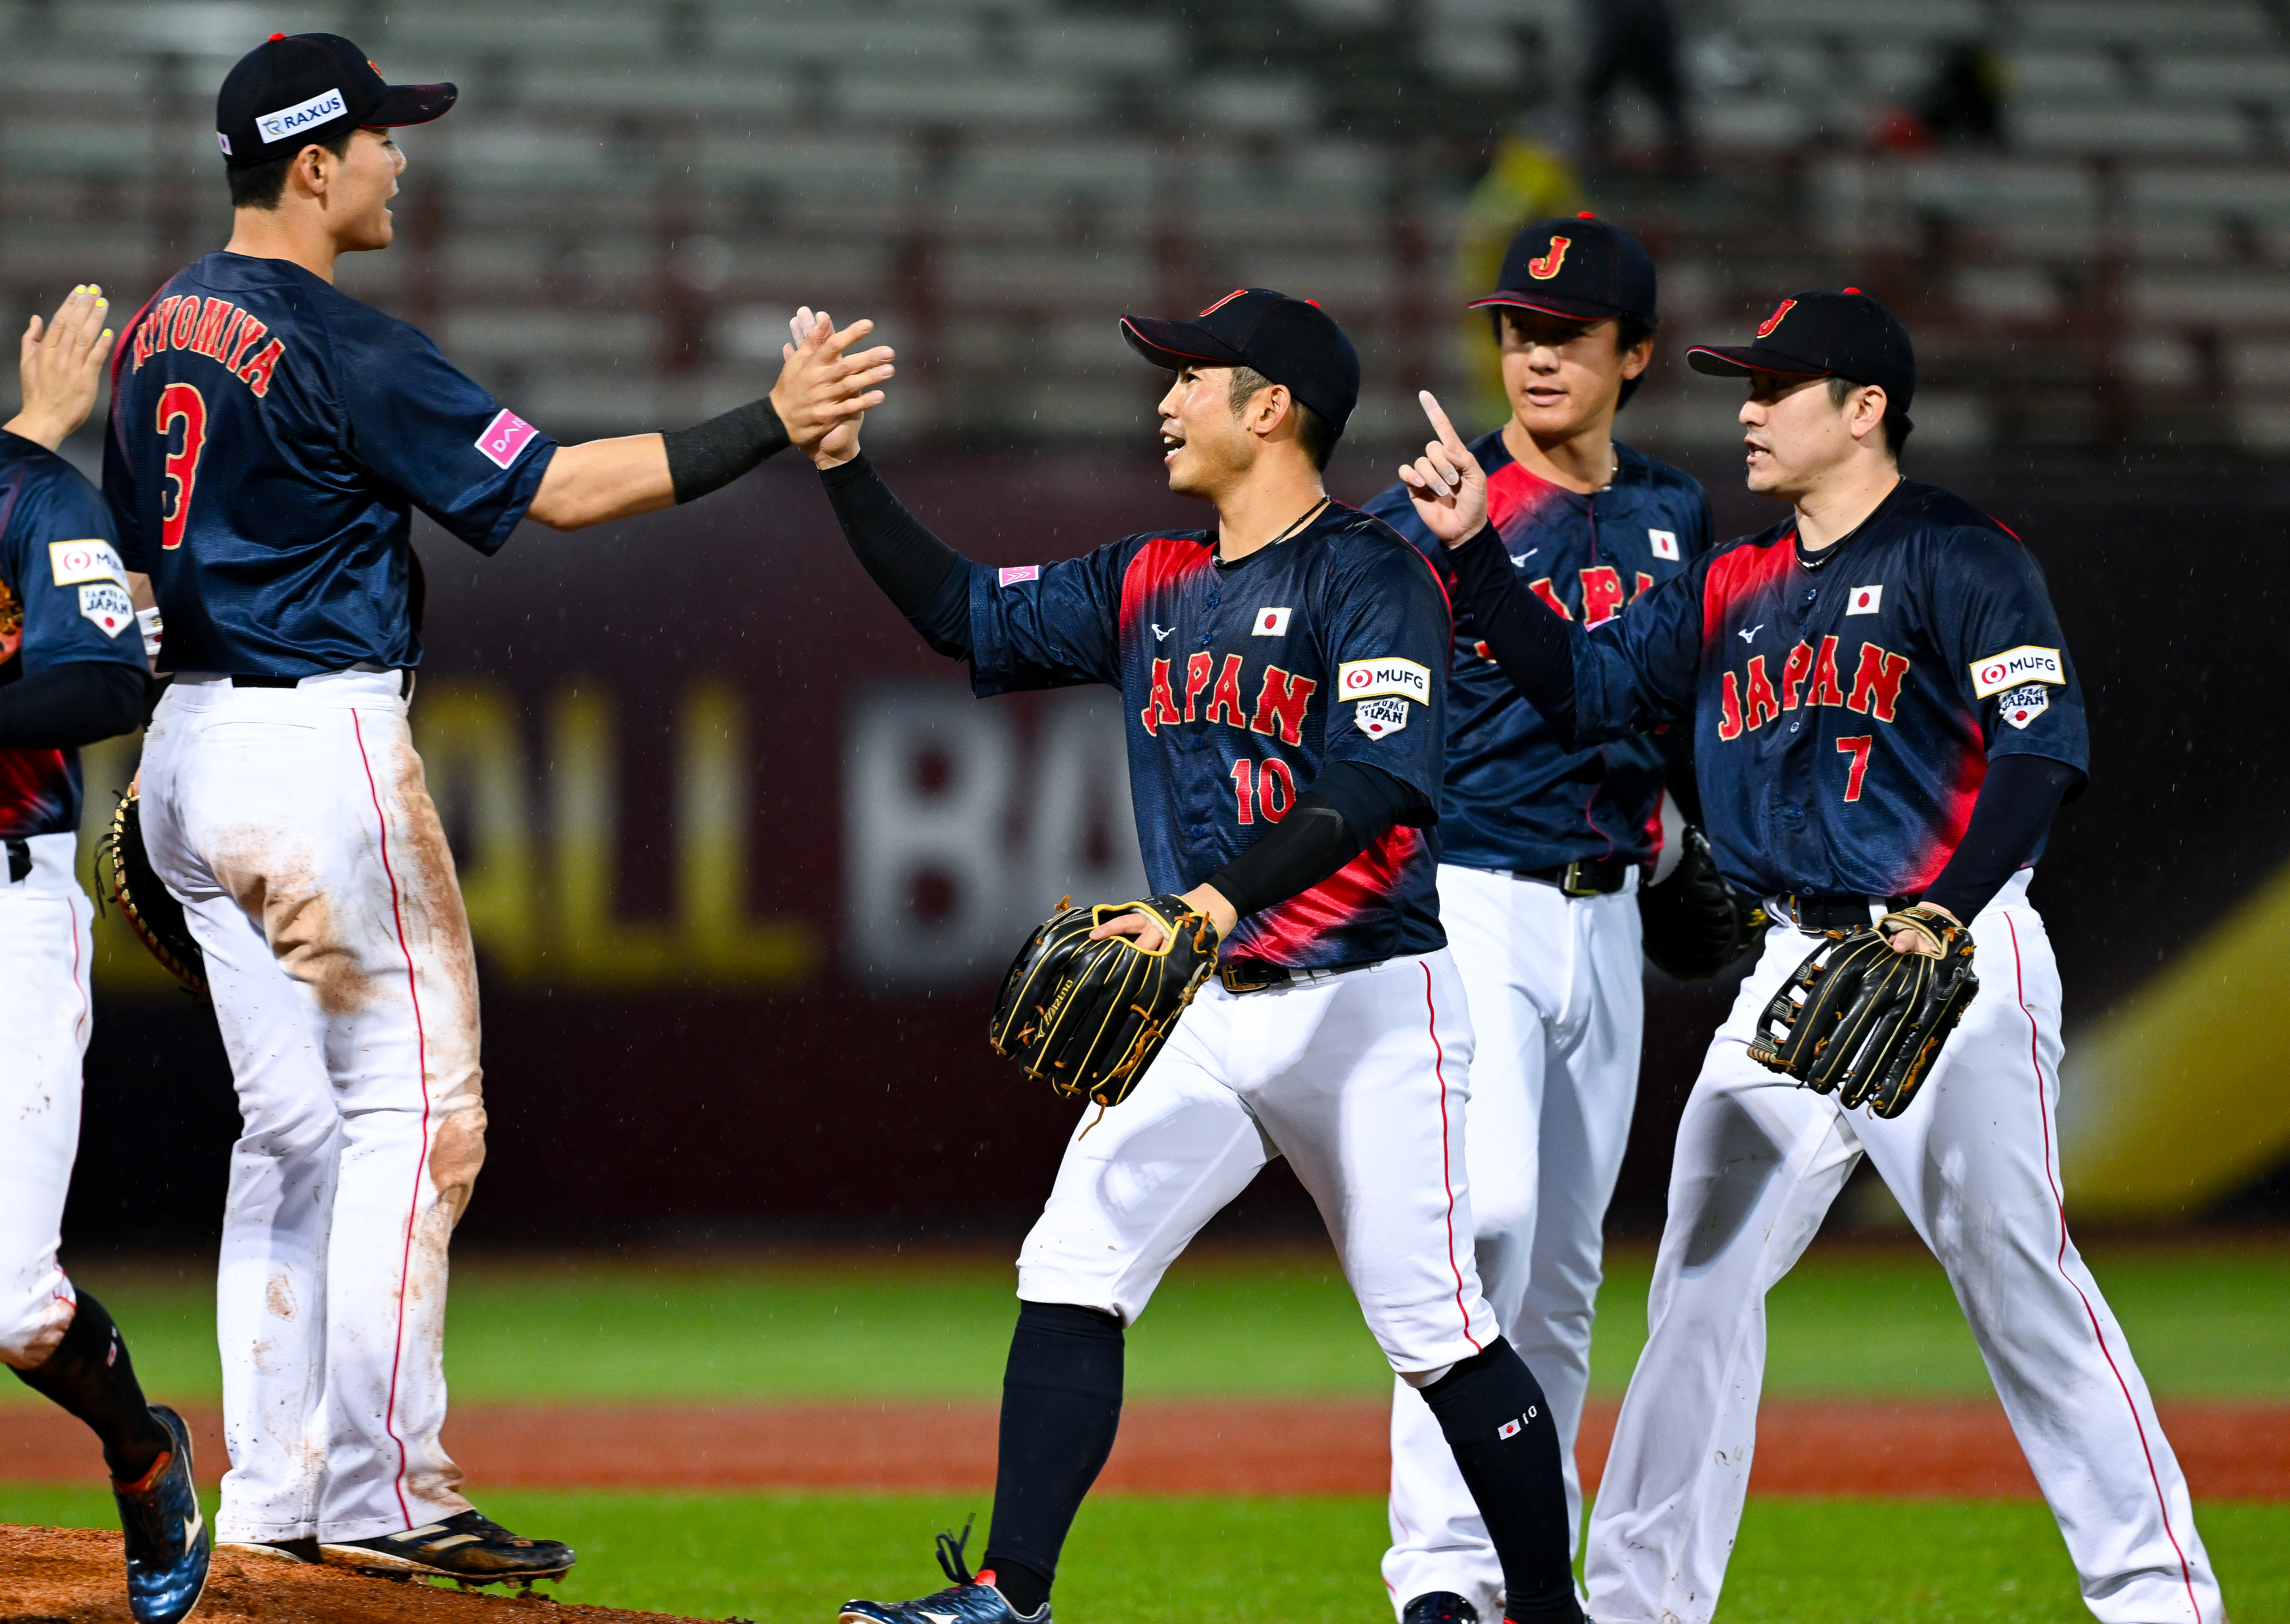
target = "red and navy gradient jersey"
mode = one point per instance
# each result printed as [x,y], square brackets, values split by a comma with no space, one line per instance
[63,596]
[1241,682]
[1843,716]
[1515,798]
[270,437]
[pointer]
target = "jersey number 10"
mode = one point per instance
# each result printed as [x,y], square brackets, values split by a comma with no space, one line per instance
[181,402]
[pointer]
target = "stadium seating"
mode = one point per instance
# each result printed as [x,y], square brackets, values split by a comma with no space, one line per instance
[634,193]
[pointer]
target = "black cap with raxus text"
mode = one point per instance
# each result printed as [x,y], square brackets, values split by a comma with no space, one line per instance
[294,89]
[1581,268]
[1292,342]
[1820,334]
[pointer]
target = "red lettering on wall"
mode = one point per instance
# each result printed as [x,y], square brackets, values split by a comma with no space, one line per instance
[1282,705]
[1878,682]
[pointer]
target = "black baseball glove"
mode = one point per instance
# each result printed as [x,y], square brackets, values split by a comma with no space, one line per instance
[1866,1021]
[1694,922]
[149,907]
[1088,1017]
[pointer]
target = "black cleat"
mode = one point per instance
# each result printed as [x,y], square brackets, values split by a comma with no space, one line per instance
[468,1547]
[970,1603]
[1439,1607]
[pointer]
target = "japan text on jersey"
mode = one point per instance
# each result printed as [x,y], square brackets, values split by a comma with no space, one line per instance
[1844,716]
[63,597]
[269,439]
[1515,798]
[1240,682]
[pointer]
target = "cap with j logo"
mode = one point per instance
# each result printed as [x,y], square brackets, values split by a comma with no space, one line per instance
[294,89]
[1822,334]
[1579,268]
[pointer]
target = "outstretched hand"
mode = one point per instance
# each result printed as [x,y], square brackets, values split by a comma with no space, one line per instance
[1446,484]
[1151,938]
[823,392]
[61,363]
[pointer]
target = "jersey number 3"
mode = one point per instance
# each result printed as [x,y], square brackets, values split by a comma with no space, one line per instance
[180,402]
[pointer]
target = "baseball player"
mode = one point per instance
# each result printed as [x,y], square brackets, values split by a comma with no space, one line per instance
[1884,719]
[269,439]
[1285,678]
[72,671]
[1541,847]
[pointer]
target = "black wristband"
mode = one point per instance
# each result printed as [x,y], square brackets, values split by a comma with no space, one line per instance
[709,456]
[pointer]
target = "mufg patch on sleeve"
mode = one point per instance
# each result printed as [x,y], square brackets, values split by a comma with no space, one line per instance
[1364,679]
[504,438]
[89,560]
[2013,667]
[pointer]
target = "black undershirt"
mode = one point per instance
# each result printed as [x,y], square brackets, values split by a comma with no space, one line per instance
[64,707]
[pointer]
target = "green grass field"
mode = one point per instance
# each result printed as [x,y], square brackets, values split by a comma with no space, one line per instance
[2209,1320]
[791,1558]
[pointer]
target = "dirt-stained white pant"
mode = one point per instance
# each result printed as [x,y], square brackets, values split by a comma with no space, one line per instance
[294,825]
[1974,1164]
[1558,1002]
[1360,1080]
[44,1024]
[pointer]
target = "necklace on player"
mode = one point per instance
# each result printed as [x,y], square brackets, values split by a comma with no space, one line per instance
[1316,511]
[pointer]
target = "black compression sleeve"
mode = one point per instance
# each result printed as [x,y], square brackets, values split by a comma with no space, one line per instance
[1528,642]
[911,566]
[1348,808]
[710,455]
[2012,811]
[67,706]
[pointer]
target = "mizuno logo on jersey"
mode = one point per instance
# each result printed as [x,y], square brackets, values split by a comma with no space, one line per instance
[2013,667]
[1161,633]
[1747,703]
[1281,700]
[1271,623]
[214,328]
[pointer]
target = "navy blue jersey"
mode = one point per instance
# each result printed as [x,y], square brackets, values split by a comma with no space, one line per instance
[1515,797]
[1241,682]
[1843,716]
[270,437]
[63,596]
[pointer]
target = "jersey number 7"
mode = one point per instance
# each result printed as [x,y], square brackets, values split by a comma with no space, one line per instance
[181,402]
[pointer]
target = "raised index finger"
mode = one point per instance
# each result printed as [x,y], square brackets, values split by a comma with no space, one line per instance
[1440,425]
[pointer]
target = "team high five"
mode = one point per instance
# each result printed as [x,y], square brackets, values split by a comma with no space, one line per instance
[1472,695]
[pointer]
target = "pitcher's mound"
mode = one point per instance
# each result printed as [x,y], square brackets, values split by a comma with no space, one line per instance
[77,1576]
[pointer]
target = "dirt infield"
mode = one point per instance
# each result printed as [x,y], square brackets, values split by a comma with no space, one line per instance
[74,1576]
[2228,1451]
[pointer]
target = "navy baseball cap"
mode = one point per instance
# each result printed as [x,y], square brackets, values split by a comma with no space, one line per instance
[1580,268]
[294,89]
[1820,334]
[1292,342]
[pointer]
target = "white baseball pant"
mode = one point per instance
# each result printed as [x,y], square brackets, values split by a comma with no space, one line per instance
[46,1018]
[1360,1079]
[1557,1002]
[1974,1164]
[294,826]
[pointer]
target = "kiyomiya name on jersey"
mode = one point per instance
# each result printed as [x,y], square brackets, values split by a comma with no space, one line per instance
[1748,702]
[214,328]
[1282,700]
